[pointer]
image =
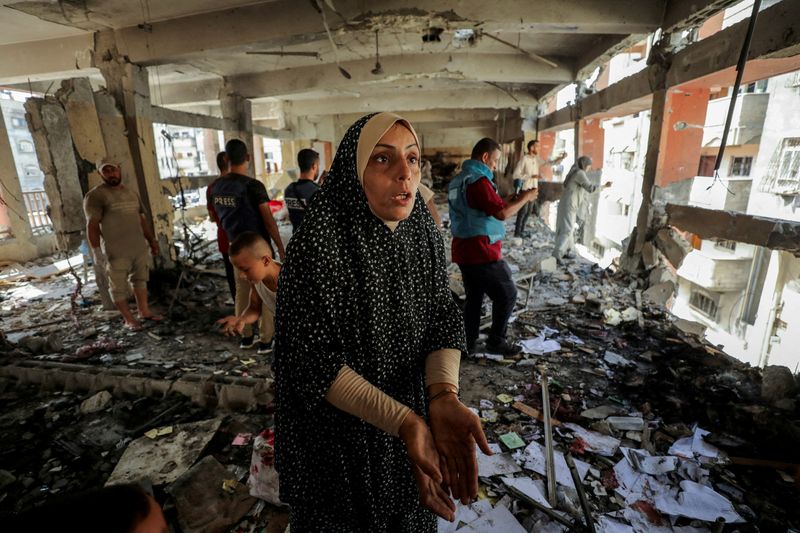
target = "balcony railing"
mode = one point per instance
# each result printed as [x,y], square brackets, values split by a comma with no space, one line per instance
[36,204]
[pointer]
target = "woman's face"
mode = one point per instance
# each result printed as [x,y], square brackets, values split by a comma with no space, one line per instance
[392,174]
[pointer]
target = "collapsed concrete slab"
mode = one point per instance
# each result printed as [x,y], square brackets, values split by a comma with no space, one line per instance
[674,247]
[712,224]
[166,457]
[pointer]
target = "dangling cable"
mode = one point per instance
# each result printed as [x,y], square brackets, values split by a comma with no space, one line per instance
[740,65]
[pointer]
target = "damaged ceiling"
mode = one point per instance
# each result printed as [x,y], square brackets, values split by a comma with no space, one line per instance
[366,56]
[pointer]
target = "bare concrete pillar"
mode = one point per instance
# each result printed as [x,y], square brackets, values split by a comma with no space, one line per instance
[53,140]
[77,97]
[238,111]
[15,213]
[258,160]
[632,263]
[129,86]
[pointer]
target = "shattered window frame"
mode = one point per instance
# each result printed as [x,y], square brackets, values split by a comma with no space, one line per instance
[741,166]
[704,303]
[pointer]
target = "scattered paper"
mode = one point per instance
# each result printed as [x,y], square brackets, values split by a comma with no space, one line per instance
[505,398]
[465,514]
[616,359]
[698,502]
[535,460]
[538,345]
[593,441]
[695,447]
[609,525]
[512,441]
[247,362]
[158,432]
[642,461]
[489,415]
[634,485]
[498,520]
[499,464]
[532,489]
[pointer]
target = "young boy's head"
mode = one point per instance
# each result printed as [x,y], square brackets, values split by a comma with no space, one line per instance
[251,254]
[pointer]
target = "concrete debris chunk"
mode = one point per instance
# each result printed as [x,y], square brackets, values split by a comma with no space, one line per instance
[164,459]
[207,500]
[660,293]
[626,423]
[96,403]
[777,383]
[672,244]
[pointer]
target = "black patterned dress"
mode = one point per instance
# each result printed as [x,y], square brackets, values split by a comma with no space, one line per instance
[352,292]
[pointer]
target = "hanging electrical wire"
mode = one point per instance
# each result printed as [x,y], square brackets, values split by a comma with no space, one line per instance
[321,10]
[740,65]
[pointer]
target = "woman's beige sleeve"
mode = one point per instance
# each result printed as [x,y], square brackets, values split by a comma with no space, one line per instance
[442,366]
[355,395]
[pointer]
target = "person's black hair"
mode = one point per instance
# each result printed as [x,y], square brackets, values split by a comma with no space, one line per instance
[222,161]
[113,509]
[531,143]
[247,240]
[306,159]
[236,150]
[484,146]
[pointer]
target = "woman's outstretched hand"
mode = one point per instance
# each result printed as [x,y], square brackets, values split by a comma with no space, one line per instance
[455,431]
[416,436]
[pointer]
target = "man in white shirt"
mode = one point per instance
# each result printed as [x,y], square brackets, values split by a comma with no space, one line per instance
[527,171]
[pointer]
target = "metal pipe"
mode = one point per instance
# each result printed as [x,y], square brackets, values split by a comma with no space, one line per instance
[576,479]
[550,463]
[573,526]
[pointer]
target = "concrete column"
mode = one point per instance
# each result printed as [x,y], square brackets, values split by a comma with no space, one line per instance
[258,159]
[77,97]
[631,260]
[49,127]
[129,87]
[239,111]
[15,215]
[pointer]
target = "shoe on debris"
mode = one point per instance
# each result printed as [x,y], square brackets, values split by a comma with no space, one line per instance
[247,342]
[264,348]
[503,348]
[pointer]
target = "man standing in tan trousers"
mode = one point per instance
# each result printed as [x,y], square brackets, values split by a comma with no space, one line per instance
[114,212]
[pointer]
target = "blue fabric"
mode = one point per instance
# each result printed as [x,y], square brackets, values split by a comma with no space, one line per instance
[236,199]
[465,221]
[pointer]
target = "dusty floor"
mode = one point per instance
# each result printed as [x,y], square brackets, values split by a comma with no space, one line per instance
[638,365]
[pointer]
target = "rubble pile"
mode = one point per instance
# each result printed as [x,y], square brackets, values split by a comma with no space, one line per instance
[653,429]
[60,443]
[667,433]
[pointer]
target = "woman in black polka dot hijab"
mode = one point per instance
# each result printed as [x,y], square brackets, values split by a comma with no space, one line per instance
[370,434]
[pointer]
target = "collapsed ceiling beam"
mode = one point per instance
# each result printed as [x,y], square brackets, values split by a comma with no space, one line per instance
[498,68]
[775,36]
[52,59]
[727,225]
[411,100]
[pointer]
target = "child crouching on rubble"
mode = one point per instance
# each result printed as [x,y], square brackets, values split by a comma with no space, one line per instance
[252,256]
